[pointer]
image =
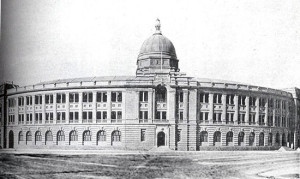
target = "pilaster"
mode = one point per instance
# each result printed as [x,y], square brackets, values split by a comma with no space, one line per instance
[247,110]
[211,107]
[224,108]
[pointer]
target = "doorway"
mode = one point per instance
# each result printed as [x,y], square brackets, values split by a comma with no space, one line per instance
[160,139]
[11,139]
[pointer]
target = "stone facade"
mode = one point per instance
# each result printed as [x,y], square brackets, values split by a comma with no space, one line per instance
[158,107]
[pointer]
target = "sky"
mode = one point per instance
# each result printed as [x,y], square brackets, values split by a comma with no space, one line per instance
[254,42]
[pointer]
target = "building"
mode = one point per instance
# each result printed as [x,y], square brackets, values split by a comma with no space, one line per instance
[160,106]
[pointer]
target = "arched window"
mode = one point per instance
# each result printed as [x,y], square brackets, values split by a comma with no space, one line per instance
[277,139]
[261,139]
[87,136]
[251,139]
[283,140]
[49,136]
[21,136]
[60,136]
[28,136]
[229,137]
[160,94]
[217,137]
[203,136]
[116,136]
[101,136]
[73,136]
[38,136]
[270,139]
[241,138]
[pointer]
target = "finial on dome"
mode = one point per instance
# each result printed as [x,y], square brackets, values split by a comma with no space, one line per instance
[157,26]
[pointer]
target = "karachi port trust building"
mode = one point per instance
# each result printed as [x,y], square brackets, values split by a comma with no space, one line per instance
[159,107]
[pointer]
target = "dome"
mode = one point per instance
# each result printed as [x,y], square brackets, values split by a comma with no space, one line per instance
[157,45]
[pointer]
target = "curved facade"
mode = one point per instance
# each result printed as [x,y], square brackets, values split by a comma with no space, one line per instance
[158,107]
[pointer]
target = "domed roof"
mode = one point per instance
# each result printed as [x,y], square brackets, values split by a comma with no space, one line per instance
[157,45]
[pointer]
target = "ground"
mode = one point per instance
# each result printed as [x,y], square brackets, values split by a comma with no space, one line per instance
[137,164]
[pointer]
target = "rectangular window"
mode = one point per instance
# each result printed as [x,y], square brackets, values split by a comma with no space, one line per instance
[230,99]
[229,117]
[38,118]
[241,118]
[60,98]
[49,99]
[178,135]
[203,116]
[217,117]
[252,101]
[116,96]
[143,115]
[217,98]
[73,97]
[242,100]
[21,118]
[73,117]
[29,100]
[49,117]
[87,97]
[61,117]
[204,97]
[262,102]
[180,97]
[163,115]
[87,116]
[11,102]
[271,103]
[143,135]
[143,96]
[113,115]
[261,120]
[29,118]
[251,118]
[21,101]
[38,99]
[181,115]
[101,97]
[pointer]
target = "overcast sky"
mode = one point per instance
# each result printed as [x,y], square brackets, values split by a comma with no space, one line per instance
[254,42]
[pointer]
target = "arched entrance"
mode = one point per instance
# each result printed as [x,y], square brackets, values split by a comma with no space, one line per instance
[160,139]
[11,139]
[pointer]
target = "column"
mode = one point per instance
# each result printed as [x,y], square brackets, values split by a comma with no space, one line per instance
[287,114]
[247,110]
[153,106]
[236,109]
[80,108]
[274,112]
[266,111]
[25,110]
[191,105]
[67,107]
[257,111]
[123,106]
[171,103]
[150,105]
[211,107]
[280,113]
[186,105]
[95,106]
[54,109]
[224,108]
[171,100]
[43,108]
[33,108]
[108,106]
